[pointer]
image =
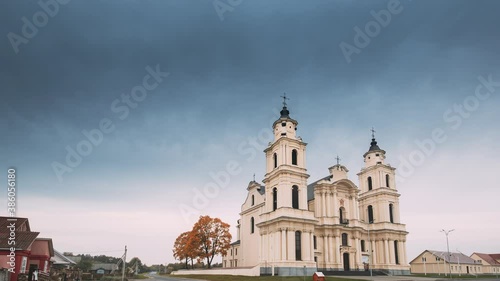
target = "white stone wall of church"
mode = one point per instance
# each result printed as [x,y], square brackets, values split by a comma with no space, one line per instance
[252,271]
[250,248]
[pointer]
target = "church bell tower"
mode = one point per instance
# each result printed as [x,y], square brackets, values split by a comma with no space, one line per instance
[286,225]
[379,210]
[286,169]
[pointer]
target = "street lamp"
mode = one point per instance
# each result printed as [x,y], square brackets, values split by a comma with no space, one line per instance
[370,249]
[424,258]
[446,232]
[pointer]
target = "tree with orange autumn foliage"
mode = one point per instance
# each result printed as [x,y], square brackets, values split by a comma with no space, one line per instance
[184,248]
[210,237]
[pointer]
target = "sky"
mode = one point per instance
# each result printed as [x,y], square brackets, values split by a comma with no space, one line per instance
[120,116]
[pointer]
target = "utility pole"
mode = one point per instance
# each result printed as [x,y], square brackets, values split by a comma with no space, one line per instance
[370,260]
[446,232]
[124,263]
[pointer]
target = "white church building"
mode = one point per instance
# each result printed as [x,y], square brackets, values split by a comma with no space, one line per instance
[291,227]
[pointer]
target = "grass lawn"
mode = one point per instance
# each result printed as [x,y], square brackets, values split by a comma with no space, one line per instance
[464,276]
[260,278]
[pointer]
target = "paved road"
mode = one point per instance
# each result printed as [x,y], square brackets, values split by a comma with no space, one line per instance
[390,278]
[375,278]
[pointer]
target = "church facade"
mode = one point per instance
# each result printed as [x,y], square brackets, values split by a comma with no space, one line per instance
[290,227]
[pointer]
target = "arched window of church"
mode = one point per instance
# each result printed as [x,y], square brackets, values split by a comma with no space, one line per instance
[370,187]
[391,216]
[275,199]
[396,254]
[252,225]
[342,218]
[294,157]
[275,158]
[387,180]
[253,200]
[370,214]
[298,246]
[344,239]
[295,197]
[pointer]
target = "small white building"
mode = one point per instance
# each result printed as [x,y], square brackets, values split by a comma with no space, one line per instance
[291,227]
[490,262]
[437,262]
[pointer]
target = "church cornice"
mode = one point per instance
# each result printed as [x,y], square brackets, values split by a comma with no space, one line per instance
[378,192]
[375,167]
[357,231]
[285,169]
[252,208]
[287,220]
[280,140]
[343,185]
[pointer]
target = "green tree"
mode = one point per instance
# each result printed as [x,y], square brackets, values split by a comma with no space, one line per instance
[84,264]
[140,266]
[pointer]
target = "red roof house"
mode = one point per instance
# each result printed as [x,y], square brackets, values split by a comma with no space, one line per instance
[20,250]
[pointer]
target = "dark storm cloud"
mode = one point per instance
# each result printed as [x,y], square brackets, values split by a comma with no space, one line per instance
[65,79]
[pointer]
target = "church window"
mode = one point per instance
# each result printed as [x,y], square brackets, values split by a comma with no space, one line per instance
[370,186]
[391,216]
[275,158]
[275,199]
[387,180]
[295,197]
[341,215]
[315,243]
[294,157]
[298,246]
[362,245]
[252,225]
[236,251]
[396,254]
[283,134]
[377,154]
[253,200]
[344,239]
[379,162]
[370,214]
[283,124]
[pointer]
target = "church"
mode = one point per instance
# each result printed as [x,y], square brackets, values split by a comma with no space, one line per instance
[290,227]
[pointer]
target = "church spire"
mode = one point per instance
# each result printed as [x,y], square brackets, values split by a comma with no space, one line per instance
[285,113]
[285,126]
[373,145]
[375,155]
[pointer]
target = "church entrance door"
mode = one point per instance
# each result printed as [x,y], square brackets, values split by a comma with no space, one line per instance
[346,262]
